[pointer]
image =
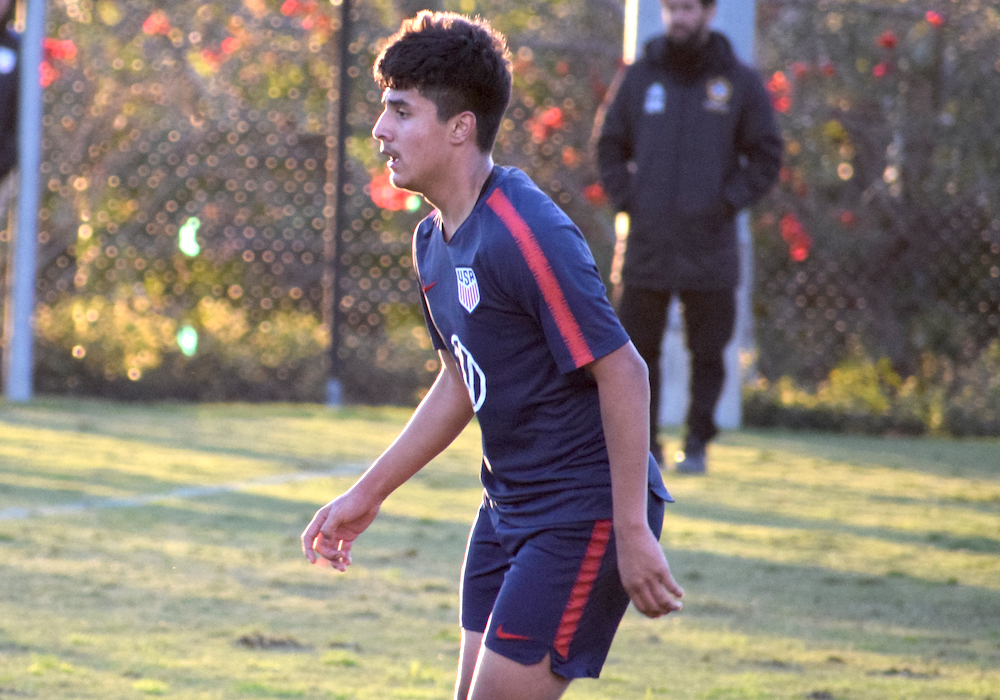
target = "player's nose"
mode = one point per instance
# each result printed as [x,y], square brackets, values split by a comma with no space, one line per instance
[380,130]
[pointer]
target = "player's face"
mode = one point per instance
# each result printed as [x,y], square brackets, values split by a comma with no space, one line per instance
[410,133]
[687,20]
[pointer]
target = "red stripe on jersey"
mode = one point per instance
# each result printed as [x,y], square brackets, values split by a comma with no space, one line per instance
[569,329]
[578,597]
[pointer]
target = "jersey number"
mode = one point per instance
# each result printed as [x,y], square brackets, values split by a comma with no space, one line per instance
[475,380]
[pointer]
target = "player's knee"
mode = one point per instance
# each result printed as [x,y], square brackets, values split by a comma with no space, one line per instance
[500,678]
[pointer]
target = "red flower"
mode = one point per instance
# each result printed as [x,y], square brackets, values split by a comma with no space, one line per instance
[59,50]
[828,69]
[47,74]
[384,195]
[790,227]
[570,157]
[881,70]
[230,44]
[553,117]
[212,58]
[295,7]
[595,194]
[887,40]
[543,125]
[935,18]
[800,70]
[799,251]
[799,242]
[781,91]
[778,84]
[157,23]
[848,218]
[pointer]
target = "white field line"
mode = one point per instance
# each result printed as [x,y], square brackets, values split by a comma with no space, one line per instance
[22,513]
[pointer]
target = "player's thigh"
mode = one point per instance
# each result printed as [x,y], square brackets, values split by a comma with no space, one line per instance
[561,599]
[483,571]
[499,678]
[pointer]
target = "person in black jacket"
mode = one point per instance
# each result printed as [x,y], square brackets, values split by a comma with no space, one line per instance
[8,90]
[688,139]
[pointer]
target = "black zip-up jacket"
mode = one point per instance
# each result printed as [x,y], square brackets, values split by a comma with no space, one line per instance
[688,140]
[9,76]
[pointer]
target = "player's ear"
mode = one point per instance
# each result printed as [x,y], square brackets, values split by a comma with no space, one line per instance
[463,128]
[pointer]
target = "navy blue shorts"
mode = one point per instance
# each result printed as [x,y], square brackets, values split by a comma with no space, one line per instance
[552,590]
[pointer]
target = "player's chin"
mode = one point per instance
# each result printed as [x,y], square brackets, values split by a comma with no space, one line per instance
[398,179]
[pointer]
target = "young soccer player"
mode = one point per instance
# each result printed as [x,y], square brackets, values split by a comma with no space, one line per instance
[573,503]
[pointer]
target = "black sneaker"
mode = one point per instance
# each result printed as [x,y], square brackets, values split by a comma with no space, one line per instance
[691,460]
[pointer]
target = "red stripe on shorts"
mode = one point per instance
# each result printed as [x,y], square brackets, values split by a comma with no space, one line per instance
[578,597]
[555,300]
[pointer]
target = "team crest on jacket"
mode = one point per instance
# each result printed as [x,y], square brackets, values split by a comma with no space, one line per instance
[656,99]
[468,288]
[719,92]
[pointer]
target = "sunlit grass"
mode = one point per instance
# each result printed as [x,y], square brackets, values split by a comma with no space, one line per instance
[815,566]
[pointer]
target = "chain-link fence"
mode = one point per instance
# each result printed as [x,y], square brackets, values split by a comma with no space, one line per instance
[883,239]
[186,227]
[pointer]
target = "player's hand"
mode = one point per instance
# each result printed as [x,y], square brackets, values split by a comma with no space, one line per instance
[645,573]
[334,527]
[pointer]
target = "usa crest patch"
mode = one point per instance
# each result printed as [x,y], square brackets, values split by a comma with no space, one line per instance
[468,288]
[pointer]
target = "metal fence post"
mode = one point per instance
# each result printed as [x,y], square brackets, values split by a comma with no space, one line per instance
[18,346]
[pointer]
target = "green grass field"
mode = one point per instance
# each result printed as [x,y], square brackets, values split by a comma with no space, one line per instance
[153,551]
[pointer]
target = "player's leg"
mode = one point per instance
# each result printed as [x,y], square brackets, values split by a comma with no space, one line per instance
[499,678]
[468,656]
[483,571]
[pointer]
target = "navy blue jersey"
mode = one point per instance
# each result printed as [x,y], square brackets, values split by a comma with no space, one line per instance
[516,298]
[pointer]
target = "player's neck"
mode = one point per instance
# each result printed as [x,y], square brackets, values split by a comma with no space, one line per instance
[458,191]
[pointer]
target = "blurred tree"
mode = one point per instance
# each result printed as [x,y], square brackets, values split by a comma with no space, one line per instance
[189,114]
[888,197]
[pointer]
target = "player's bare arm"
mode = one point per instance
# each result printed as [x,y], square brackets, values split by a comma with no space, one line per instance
[623,387]
[437,421]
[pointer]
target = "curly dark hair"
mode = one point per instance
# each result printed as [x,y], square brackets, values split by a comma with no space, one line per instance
[459,63]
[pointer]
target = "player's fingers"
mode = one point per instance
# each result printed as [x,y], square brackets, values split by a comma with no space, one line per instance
[309,539]
[654,598]
[336,552]
[312,531]
[671,585]
[644,598]
[327,548]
